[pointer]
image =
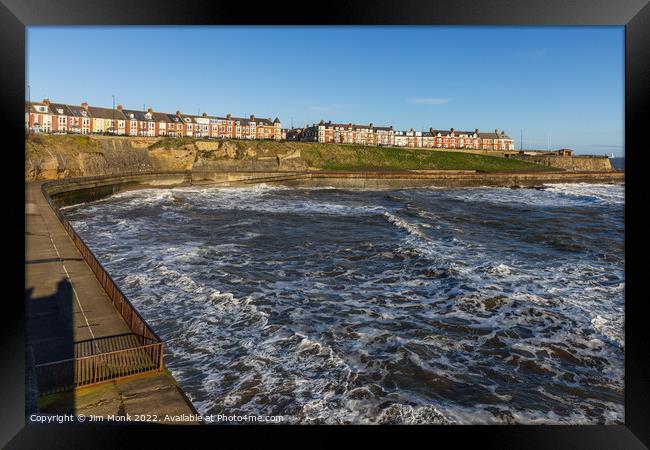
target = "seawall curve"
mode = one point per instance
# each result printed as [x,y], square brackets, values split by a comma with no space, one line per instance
[82,189]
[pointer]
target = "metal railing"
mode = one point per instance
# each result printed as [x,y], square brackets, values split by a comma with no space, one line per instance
[144,352]
[72,373]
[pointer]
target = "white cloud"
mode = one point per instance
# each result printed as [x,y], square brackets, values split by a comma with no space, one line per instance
[428,101]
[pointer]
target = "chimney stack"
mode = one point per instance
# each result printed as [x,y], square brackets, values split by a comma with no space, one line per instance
[476,130]
[84,105]
[178,113]
[205,114]
[228,116]
[46,101]
[430,130]
[149,110]
[451,130]
[119,107]
[496,130]
[253,117]
[370,125]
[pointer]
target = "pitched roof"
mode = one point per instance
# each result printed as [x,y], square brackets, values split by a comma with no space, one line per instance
[185,117]
[493,135]
[354,126]
[59,109]
[161,117]
[106,113]
[30,105]
[135,114]
[78,111]
[244,121]
[173,118]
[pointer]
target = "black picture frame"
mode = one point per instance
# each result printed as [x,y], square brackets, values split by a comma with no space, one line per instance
[15,15]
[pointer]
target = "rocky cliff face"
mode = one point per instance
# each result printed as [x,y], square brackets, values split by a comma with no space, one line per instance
[52,157]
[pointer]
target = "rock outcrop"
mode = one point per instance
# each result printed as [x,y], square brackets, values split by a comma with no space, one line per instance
[52,157]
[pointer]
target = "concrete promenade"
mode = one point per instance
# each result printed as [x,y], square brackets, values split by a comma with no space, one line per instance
[64,303]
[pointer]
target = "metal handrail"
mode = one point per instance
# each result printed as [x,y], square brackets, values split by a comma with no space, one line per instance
[110,287]
[57,376]
[50,363]
[150,357]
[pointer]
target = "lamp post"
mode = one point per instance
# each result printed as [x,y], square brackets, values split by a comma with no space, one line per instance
[29,106]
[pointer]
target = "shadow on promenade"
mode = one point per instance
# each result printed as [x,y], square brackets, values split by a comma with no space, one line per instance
[50,338]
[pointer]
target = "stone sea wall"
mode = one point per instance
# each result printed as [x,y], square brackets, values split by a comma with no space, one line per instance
[573,163]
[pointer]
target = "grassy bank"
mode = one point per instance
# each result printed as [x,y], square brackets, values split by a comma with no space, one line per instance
[357,157]
[361,157]
[63,143]
[315,155]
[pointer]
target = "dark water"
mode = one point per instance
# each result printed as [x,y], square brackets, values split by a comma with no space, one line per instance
[618,163]
[481,305]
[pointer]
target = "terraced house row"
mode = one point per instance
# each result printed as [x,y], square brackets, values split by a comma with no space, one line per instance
[328,132]
[48,117]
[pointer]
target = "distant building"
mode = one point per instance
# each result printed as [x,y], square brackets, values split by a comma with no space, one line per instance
[174,125]
[43,117]
[162,123]
[242,128]
[345,133]
[138,123]
[496,141]
[46,117]
[105,120]
[294,134]
[62,118]
[38,118]
[328,132]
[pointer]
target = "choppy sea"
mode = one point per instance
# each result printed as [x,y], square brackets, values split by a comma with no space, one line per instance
[428,305]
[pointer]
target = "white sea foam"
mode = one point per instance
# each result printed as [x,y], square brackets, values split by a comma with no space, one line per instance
[330,323]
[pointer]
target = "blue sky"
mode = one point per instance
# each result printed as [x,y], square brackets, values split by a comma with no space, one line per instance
[563,84]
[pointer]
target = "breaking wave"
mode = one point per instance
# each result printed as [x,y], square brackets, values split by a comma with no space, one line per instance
[476,305]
